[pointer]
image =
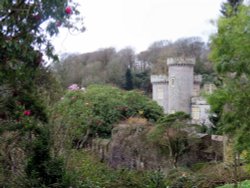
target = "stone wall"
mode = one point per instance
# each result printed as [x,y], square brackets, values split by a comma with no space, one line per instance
[130,148]
[160,90]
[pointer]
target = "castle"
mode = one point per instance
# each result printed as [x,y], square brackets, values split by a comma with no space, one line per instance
[180,90]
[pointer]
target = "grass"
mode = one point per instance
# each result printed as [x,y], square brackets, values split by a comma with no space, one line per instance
[243,184]
[89,172]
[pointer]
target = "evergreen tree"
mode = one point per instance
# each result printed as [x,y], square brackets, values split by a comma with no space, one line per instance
[230,7]
[129,80]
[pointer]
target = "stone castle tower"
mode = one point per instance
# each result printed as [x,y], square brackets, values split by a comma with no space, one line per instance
[180,86]
[174,92]
[180,90]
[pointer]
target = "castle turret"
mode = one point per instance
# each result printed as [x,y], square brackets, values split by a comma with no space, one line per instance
[160,90]
[180,87]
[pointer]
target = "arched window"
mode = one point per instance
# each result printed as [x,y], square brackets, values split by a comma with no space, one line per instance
[172,81]
[160,94]
[195,113]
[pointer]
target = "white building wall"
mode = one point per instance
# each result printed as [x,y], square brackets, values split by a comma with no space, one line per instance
[200,111]
[160,90]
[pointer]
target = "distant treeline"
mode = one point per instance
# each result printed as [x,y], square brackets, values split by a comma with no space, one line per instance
[129,70]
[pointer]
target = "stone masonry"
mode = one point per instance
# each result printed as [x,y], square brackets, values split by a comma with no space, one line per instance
[180,90]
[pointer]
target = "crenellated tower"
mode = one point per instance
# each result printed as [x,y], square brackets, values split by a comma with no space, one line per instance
[180,90]
[180,84]
[160,90]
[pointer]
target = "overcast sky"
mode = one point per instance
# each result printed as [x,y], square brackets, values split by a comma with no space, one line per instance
[138,23]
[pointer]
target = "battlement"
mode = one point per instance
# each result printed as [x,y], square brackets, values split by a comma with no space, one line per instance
[180,61]
[158,79]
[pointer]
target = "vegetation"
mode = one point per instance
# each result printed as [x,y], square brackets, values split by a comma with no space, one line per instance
[126,70]
[25,155]
[93,113]
[230,53]
[43,128]
[172,135]
[87,172]
[129,80]
[244,184]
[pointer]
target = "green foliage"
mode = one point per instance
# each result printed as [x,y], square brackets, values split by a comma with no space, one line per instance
[170,119]
[139,104]
[174,121]
[25,86]
[230,54]
[207,175]
[42,170]
[128,80]
[230,47]
[230,7]
[84,171]
[141,81]
[217,101]
[21,62]
[171,136]
[95,111]
[244,184]
[182,178]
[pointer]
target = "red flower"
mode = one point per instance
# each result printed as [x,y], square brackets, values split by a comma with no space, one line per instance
[68,10]
[27,112]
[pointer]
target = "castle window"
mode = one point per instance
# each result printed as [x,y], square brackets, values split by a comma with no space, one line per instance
[160,94]
[196,113]
[172,80]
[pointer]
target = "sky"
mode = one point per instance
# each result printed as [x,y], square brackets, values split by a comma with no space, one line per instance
[138,23]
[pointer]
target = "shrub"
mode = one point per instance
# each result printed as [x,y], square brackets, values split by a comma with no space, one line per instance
[243,184]
[170,135]
[42,170]
[93,112]
[88,172]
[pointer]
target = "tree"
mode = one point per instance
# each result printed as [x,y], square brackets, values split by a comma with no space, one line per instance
[116,71]
[155,57]
[127,57]
[129,85]
[141,81]
[230,52]
[172,135]
[230,7]
[25,28]
[157,53]
[69,70]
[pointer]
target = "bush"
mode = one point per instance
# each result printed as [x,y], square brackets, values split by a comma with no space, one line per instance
[42,169]
[95,111]
[88,172]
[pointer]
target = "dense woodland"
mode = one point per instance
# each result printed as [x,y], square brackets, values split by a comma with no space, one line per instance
[48,123]
[128,70]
